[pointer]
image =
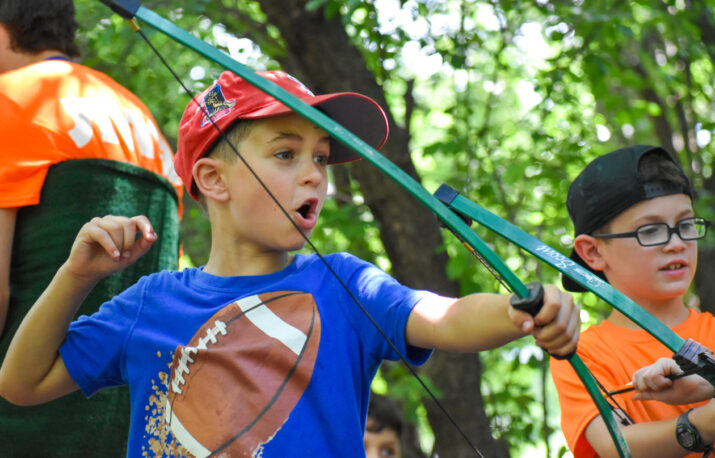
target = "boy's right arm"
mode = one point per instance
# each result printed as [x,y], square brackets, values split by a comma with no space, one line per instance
[33,371]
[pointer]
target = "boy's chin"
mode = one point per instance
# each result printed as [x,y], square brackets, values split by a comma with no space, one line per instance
[297,246]
[672,292]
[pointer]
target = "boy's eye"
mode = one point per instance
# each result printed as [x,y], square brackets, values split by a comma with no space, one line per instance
[387,451]
[321,159]
[284,154]
[650,230]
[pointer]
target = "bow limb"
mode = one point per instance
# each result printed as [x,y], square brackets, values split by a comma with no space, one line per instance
[690,356]
[563,264]
[131,9]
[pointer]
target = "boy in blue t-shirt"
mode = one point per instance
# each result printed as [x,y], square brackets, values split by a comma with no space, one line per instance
[260,348]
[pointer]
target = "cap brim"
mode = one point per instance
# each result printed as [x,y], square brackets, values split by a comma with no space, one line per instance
[571,285]
[357,113]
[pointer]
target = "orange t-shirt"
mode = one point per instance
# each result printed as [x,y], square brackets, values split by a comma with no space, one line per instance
[55,111]
[613,354]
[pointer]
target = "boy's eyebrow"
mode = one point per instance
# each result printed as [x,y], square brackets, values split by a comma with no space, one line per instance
[295,136]
[657,218]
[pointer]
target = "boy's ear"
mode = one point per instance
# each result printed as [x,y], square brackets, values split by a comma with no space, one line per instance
[588,248]
[209,179]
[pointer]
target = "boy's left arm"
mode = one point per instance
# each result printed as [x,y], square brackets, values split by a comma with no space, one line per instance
[484,321]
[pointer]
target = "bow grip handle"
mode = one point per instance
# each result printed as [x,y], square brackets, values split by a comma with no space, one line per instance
[533,302]
[532,305]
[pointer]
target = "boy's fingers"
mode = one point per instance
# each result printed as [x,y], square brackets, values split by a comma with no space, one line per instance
[96,233]
[118,235]
[129,230]
[144,226]
[560,336]
[522,320]
[563,350]
[114,226]
[564,323]
[557,304]
[124,231]
[141,246]
[562,344]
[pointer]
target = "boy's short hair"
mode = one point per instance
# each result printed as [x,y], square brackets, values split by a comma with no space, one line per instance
[223,151]
[35,26]
[384,413]
[232,98]
[616,181]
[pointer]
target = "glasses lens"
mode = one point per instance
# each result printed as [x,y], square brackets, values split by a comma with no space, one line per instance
[692,228]
[652,234]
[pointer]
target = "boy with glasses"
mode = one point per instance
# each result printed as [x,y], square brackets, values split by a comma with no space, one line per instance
[635,228]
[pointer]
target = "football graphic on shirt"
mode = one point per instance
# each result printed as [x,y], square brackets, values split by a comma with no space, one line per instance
[235,383]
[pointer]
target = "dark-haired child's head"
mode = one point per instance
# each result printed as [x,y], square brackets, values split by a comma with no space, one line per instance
[35,26]
[383,428]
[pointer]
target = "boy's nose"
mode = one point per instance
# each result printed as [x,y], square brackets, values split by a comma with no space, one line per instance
[675,243]
[312,173]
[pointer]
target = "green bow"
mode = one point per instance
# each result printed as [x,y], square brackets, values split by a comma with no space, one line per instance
[131,9]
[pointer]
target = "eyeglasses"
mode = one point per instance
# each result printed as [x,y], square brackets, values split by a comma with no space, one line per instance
[653,234]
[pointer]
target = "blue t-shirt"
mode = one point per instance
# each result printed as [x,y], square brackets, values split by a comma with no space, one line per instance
[274,365]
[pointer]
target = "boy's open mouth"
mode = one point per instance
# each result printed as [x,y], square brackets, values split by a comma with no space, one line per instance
[308,211]
[304,210]
[674,266]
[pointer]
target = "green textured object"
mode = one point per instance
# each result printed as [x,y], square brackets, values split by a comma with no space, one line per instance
[74,192]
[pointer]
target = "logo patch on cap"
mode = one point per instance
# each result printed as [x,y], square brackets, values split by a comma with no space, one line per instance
[215,106]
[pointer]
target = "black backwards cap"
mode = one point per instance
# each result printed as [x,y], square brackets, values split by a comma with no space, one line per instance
[610,185]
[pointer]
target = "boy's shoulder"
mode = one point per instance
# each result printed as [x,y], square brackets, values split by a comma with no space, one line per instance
[599,338]
[337,259]
[704,321]
[348,264]
[157,282]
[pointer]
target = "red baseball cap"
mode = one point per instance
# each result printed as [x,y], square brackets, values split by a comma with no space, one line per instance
[232,98]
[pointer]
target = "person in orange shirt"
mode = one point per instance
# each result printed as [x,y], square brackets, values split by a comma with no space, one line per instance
[53,110]
[636,228]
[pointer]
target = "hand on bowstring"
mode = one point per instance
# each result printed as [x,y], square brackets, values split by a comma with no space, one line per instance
[664,381]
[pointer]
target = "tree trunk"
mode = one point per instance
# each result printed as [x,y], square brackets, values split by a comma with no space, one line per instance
[320,53]
[704,285]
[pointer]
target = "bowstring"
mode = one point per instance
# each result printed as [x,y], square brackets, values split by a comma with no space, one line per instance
[224,137]
[619,411]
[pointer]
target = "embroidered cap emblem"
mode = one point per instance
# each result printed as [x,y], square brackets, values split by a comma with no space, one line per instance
[215,105]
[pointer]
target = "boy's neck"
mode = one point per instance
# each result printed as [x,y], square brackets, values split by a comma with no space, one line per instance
[225,264]
[671,314]
[15,60]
